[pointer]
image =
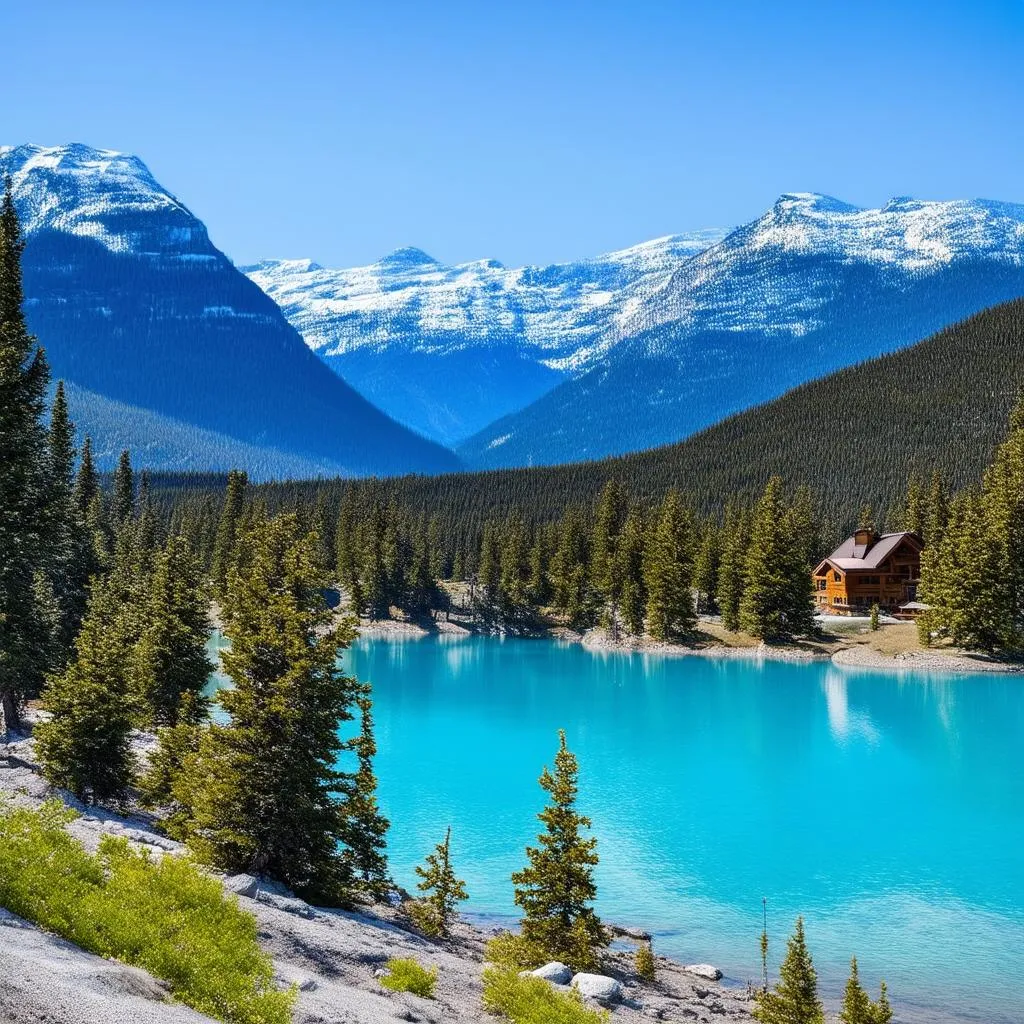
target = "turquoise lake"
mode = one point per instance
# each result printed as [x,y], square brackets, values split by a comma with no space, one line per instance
[887,809]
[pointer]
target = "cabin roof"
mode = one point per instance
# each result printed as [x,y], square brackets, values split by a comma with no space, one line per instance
[851,555]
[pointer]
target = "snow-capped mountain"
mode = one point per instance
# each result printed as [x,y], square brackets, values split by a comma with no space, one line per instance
[813,285]
[135,305]
[448,349]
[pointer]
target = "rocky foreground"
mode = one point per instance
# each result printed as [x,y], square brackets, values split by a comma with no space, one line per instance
[332,956]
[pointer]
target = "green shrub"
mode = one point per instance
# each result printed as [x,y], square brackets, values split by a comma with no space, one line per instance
[410,976]
[528,1000]
[162,915]
[645,966]
[507,949]
[174,921]
[45,875]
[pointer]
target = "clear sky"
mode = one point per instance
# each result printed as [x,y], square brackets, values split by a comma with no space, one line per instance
[526,131]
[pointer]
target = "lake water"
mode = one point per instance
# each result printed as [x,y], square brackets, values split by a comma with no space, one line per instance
[887,809]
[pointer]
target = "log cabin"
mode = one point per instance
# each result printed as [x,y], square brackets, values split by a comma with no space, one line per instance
[870,568]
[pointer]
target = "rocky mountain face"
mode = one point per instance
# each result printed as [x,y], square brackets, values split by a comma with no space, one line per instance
[449,349]
[812,286]
[135,305]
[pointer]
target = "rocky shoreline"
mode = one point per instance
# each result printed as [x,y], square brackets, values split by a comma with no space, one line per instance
[332,956]
[847,655]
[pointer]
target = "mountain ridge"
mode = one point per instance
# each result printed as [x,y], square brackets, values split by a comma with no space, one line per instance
[134,303]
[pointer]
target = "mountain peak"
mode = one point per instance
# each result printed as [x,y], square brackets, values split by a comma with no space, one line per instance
[802,203]
[408,256]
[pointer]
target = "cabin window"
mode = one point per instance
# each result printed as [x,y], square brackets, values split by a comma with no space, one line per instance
[837,577]
[822,584]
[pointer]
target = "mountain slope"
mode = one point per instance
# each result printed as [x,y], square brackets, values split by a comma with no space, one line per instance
[134,303]
[813,285]
[854,436]
[447,350]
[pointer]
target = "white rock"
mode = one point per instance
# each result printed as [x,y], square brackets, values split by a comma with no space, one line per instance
[704,971]
[555,972]
[242,885]
[598,987]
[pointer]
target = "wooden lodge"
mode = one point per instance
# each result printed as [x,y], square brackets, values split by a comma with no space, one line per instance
[868,569]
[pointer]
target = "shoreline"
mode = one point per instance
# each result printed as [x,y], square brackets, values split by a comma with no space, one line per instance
[334,957]
[846,653]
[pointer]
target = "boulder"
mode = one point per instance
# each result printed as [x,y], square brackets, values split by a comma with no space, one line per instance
[704,971]
[555,972]
[629,932]
[242,885]
[598,987]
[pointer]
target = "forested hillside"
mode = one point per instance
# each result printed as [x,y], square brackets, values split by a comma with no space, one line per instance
[854,437]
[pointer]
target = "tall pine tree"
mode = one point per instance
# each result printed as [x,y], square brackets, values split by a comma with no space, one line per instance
[264,790]
[794,1000]
[556,889]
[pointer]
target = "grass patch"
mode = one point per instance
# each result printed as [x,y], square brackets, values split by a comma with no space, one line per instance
[410,976]
[163,915]
[529,1000]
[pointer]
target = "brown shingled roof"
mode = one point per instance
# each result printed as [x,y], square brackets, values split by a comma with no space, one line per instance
[850,555]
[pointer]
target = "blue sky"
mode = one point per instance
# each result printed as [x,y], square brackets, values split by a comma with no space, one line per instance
[526,132]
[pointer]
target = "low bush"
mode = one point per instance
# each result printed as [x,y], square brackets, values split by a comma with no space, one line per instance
[529,1000]
[645,966]
[507,949]
[160,914]
[410,976]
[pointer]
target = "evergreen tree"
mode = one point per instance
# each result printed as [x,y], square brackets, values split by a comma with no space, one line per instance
[645,965]
[794,999]
[569,569]
[264,793]
[176,744]
[227,529]
[170,660]
[605,566]
[123,502]
[85,746]
[556,889]
[705,568]
[631,556]
[857,1007]
[87,481]
[23,465]
[668,572]
[346,552]
[729,592]
[444,890]
[69,561]
[366,828]
[776,601]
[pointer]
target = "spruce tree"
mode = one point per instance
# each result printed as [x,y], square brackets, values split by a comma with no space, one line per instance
[705,568]
[857,1007]
[227,529]
[776,601]
[556,889]
[264,793]
[123,499]
[176,744]
[605,566]
[631,556]
[729,592]
[170,660]
[366,828]
[794,1000]
[434,912]
[23,467]
[668,572]
[85,745]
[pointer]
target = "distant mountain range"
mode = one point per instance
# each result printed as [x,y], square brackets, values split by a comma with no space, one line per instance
[448,350]
[159,332]
[648,345]
[171,348]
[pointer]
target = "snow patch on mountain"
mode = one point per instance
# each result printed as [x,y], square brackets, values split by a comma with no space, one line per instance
[559,315]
